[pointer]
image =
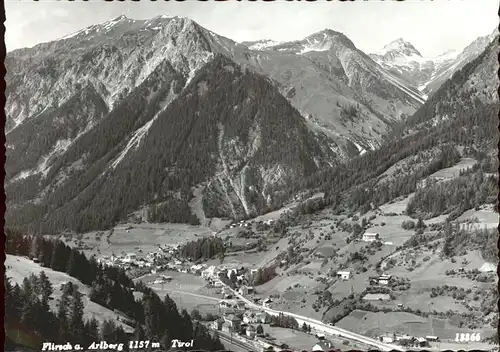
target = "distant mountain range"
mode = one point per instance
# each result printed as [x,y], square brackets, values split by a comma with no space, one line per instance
[164,120]
[427,73]
[457,123]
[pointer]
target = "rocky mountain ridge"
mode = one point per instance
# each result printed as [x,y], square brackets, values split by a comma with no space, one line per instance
[132,115]
[427,73]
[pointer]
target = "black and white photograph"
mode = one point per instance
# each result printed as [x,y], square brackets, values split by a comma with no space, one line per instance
[251,176]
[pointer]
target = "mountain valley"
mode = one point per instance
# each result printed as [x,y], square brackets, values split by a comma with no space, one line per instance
[97,105]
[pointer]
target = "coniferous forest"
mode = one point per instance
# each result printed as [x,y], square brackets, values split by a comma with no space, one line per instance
[203,248]
[29,320]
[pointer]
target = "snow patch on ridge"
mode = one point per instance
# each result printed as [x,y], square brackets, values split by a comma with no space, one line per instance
[264,44]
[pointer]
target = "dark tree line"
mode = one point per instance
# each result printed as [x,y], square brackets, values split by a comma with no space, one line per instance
[203,248]
[110,287]
[371,193]
[283,321]
[163,322]
[455,196]
[172,211]
[264,275]
[29,320]
[457,239]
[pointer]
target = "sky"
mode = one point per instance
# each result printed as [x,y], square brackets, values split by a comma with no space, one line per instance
[433,27]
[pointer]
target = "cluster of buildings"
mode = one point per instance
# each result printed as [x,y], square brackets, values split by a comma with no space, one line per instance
[242,224]
[408,340]
[248,224]
[382,280]
[125,261]
[231,323]
[373,280]
[162,259]
[213,273]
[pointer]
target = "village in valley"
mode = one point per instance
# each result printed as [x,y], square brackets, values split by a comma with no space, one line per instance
[321,281]
[259,271]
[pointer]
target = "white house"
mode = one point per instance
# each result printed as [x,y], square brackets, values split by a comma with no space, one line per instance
[387,338]
[371,236]
[404,337]
[226,327]
[344,275]
[267,302]
[422,342]
[243,290]
[322,346]
[384,279]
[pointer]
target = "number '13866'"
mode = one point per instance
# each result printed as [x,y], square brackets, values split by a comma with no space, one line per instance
[466,337]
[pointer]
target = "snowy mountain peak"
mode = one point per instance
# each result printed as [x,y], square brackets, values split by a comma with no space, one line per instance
[164,17]
[401,47]
[120,18]
[326,35]
[325,32]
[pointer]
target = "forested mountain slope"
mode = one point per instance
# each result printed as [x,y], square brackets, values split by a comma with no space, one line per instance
[459,121]
[229,129]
